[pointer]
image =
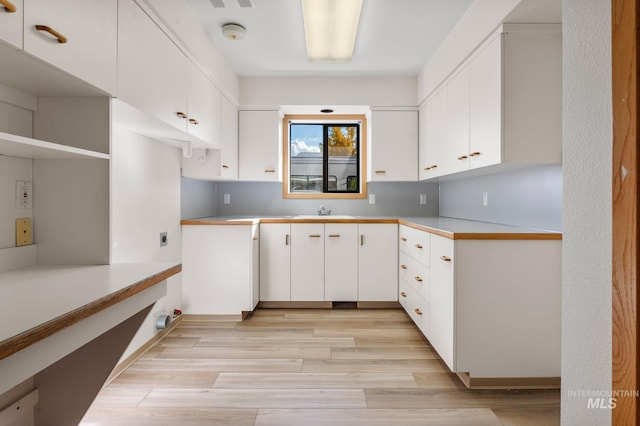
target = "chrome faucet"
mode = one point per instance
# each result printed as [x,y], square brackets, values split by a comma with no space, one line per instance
[323,212]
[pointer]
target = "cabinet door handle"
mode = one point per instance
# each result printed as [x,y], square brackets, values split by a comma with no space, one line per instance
[8,6]
[361,239]
[193,121]
[474,154]
[418,246]
[427,168]
[334,235]
[435,166]
[224,166]
[403,294]
[286,240]
[445,258]
[255,238]
[269,171]
[403,239]
[417,311]
[381,172]
[314,235]
[418,279]
[462,157]
[403,266]
[181,114]
[56,34]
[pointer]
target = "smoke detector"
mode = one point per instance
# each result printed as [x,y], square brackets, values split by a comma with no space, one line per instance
[233,31]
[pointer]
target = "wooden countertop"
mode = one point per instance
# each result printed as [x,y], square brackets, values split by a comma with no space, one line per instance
[457,229]
[38,301]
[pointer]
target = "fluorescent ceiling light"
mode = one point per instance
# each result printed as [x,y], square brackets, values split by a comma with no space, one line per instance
[330,28]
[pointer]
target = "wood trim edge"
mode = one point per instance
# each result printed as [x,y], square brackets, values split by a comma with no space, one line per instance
[29,337]
[509,382]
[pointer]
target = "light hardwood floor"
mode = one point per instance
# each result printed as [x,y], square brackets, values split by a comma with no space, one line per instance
[306,367]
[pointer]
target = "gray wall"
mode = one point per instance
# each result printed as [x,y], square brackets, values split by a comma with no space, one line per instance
[586,243]
[265,198]
[197,198]
[528,197]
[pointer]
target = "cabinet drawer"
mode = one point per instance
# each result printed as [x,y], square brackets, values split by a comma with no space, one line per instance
[416,307]
[415,274]
[415,243]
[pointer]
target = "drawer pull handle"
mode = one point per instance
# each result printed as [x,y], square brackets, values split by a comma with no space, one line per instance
[427,169]
[417,311]
[314,235]
[224,166]
[462,157]
[193,121]
[334,236]
[269,171]
[403,239]
[418,279]
[56,34]
[435,166]
[403,294]
[474,154]
[381,172]
[403,266]
[418,246]
[255,238]
[8,6]
[181,114]
[445,258]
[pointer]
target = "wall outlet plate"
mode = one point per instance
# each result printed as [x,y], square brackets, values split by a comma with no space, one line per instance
[163,239]
[24,231]
[24,194]
[423,199]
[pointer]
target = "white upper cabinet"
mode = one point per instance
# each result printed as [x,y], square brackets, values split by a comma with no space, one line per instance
[228,139]
[152,71]
[260,146]
[11,20]
[503,106]
[456,149]
[203,108]
[77,36]
[393,146]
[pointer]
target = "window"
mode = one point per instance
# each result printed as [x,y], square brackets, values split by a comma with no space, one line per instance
[324,156]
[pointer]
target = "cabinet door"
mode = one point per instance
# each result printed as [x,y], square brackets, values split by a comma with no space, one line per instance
[378,263]
[340,262]
[426,146]
[457,141]
[203,108]
[437,137]
[394,146]
[485,97]
[442,298]
[151,69]
[275,262]
[229,139]
[260,146]
[307,262]
[90,27]
[11,24]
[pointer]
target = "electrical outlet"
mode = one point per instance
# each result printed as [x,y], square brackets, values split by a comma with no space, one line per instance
[423,199]
[24,194]
[163,239]
[372,198]
[227,198]
[485,199]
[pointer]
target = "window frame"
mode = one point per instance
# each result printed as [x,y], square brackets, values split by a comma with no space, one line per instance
[325,119]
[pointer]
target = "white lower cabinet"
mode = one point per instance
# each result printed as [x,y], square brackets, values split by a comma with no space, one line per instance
[333,262]
[490,308]
[341,262]
[275,262]
[377,262]
[307,262]
[219,269]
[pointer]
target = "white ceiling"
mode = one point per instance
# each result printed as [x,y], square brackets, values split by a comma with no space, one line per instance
[395,37]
